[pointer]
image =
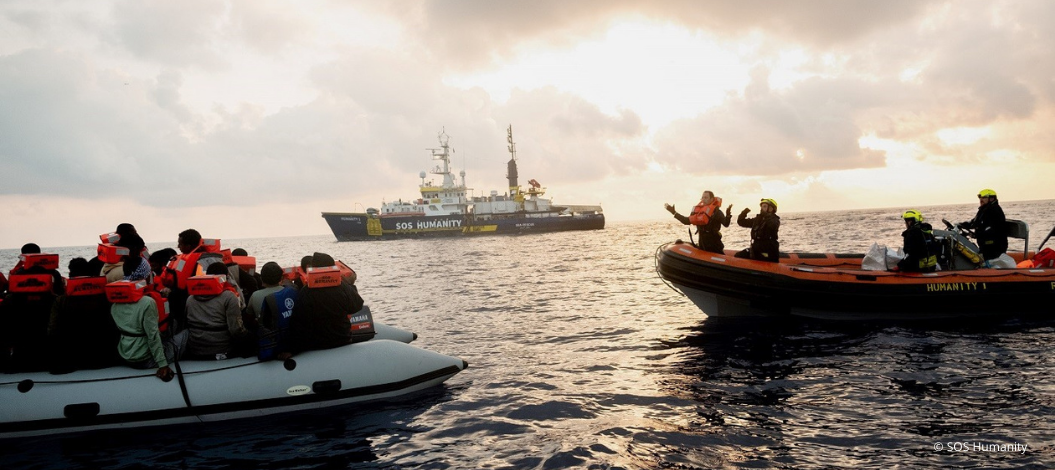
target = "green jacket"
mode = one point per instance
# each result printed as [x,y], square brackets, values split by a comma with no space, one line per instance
[140,338]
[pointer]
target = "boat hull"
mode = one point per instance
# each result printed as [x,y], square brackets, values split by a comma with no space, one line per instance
[360,226]
[40,403]
[833,286]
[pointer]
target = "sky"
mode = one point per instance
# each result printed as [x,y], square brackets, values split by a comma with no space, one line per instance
[248,119]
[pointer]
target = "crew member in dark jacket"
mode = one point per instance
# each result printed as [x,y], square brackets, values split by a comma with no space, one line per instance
[918,239]
[764,228]
[320,316]
[989,225]
[708,218]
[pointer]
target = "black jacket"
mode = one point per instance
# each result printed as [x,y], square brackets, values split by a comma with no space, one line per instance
[989,226]
[320,316]
[919,253]
[710,234]
[764,243]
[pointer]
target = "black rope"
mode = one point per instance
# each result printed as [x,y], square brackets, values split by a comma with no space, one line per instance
[179,374]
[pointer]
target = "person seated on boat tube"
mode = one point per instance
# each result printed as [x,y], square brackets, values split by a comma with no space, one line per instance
[24,316]
[320,317]
[141,345]
[272,307]
[132,267]
[989,225]
[126,229]
[57,286]
[24,320]
[248,281]
[920,256]
[708,218]
[764,227]
[82,333]
[188,242]
[215,323]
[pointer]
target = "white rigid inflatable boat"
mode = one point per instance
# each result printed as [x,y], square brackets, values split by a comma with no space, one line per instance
[40,403]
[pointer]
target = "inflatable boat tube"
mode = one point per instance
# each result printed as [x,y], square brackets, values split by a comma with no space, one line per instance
[40,403]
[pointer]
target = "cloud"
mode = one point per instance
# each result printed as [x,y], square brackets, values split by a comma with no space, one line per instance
[810,127]
[476,32]
[176,34]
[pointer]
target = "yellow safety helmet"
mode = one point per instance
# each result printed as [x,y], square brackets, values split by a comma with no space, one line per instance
[913,214]
[771,202]
[987,193]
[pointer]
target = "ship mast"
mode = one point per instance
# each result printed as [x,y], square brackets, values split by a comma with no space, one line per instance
[443,154]
[514,187]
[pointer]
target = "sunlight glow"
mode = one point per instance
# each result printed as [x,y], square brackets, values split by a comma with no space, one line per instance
[963,135]
[659,71]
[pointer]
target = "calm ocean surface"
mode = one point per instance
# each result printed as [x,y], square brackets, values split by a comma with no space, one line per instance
[581,357]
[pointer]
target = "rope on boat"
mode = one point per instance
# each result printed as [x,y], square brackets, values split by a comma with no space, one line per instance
[656,259]
[109,379]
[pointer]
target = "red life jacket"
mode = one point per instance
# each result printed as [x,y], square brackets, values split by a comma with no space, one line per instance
[183,267]
[701,214]
[30,283]
[110,253]
[163,308]
[327,276]
[86,285]
[208,284]
[133,291]
[45,260]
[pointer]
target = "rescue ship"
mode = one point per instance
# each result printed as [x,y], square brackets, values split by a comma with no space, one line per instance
[449,208]
[834,286]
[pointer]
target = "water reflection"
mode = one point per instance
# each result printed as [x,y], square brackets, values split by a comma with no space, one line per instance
[807,393]
[341,437]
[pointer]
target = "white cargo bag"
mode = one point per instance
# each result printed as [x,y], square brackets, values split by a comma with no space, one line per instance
[1002,262]
[881,258]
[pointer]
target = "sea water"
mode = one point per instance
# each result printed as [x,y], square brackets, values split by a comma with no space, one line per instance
[581,357]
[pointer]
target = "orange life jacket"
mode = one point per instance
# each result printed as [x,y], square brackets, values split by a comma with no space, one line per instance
[110,253]
[327,276]
[45,260]
[183,267]
[701,214]
[86,285]
[30,283]
[133,291]
[209,284]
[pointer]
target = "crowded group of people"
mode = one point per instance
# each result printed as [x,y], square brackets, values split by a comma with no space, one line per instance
[921,250]
[147,310]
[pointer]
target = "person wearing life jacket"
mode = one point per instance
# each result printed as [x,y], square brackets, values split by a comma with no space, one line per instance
[708,218]
[131,267]
[179,269]
[321,315]
[127,229]
[82,333]
[24,316]
[214,321]
[764,228]
[248,279]
[56,278]
[919,245]
[141,345]
[272,306]
[989,225]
